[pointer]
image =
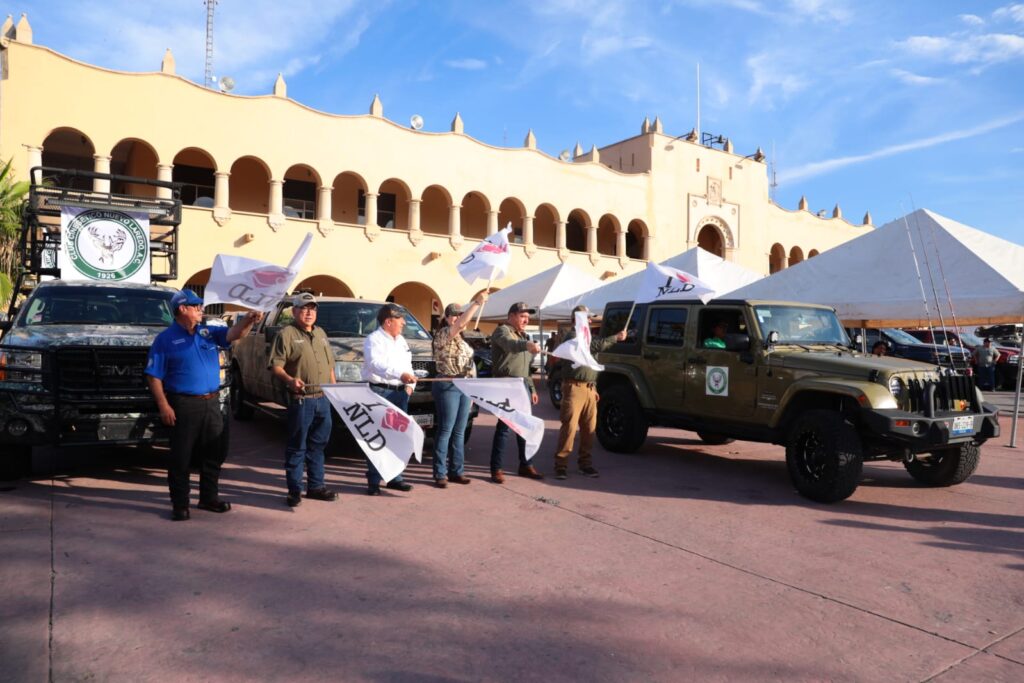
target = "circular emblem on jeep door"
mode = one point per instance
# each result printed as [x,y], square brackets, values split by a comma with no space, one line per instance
[718,381]
[106,245]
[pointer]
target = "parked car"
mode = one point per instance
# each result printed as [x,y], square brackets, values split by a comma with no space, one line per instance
[1003,335]
[904,345]
[1006,365]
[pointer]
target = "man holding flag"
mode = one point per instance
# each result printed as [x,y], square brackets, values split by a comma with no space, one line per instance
[579,392]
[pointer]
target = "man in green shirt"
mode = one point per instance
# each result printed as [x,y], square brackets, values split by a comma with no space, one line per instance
[302,359]
[717,340]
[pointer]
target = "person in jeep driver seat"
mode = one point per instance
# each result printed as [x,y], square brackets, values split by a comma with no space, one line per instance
[717,338]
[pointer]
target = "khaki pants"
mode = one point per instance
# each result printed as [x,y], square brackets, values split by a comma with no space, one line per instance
[579,411]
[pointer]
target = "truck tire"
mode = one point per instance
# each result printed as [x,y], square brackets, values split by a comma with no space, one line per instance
[555,390]
[824,456]
[621,423]
[946,467]
[713,439]
[16,462]
[240,410]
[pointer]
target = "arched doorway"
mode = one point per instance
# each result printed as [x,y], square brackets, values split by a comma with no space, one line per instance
[607,235]
[435,210]
[796,255]
[776,258]
[473,217]
[576,230]
[347,199]
[135,158]
[636,239]
[710,239]
[812,253]
[70,148]
[249,186]
[325,285]
[301,186]
[194,169]
[545,226]
[420,300]
[512,211]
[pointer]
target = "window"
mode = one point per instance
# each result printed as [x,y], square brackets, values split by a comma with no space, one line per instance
[615,318]
[722,328]
[386,203]
[666,326]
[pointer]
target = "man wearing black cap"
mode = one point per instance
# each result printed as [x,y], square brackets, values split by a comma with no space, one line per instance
[183,372]
[579,406]
[511,353]
[302,359]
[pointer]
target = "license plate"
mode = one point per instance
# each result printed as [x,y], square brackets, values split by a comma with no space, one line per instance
[424,419]
[963,425]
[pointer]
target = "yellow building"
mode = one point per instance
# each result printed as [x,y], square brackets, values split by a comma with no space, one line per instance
[392,209]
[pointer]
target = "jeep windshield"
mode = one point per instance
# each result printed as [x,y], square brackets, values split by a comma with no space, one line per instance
[97,306]
[801,325]
[352,319]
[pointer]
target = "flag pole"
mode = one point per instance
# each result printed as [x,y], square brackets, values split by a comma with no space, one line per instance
[630,316]
[480,313]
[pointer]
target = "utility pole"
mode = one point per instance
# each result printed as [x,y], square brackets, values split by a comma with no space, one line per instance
[208,74]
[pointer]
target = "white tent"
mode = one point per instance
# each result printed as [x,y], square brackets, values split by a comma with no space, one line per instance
[723,276]
[872,281]
[553,293]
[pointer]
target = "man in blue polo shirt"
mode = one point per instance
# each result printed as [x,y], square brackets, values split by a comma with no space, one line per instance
[184,377]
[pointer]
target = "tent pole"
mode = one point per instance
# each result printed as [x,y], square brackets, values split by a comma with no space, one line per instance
[1016,398]
[540,336]
[864,339]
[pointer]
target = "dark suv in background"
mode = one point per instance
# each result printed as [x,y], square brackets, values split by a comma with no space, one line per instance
[904,345]
[1006,365]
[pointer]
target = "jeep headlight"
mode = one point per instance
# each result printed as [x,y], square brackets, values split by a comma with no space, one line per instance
[896,387]
[348,372]
[21,366]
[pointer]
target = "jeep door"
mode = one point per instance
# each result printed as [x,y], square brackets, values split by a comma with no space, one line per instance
[663,355]
[258,375]
[721,376]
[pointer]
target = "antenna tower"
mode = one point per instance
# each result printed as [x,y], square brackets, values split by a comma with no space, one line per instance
[208,75]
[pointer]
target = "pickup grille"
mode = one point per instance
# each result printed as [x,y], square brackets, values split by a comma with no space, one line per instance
[431,369]
[948,393]
[108,370]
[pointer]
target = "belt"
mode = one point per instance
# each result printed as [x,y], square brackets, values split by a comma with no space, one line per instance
[381,385]
[205,397]
[314,394]
[580,381]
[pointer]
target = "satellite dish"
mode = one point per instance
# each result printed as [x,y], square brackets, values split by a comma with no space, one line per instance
[226,84]
[416,122]
[564,155]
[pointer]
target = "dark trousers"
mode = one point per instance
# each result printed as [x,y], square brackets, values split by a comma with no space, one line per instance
[396,397]
[987,377]
[309,430]
[200,430]
[501,434]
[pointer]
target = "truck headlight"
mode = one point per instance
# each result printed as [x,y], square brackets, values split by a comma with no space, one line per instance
[21,366]
[348,372]
[896,387]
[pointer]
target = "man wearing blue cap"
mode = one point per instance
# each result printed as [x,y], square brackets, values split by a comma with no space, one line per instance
[184,377]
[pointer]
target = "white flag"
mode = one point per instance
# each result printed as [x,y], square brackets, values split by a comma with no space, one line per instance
[577,349]
[250,283]
[508,400]
[387,435]
[661,283]
[489,260]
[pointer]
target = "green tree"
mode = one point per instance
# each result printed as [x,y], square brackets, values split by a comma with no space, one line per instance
[12,196]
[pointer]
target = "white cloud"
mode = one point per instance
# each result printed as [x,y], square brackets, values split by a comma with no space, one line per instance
[820,167]
[767,77]
[982,49]
[601,46]
[914,79]
[821,10]
[467,64]
[971,19]
[1012,12]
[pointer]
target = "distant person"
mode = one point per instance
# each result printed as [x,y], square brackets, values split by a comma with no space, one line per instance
[717,338]
[183,372]
[985,358]
[879,349]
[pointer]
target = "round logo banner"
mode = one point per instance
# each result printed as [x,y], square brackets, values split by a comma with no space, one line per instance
[104,245]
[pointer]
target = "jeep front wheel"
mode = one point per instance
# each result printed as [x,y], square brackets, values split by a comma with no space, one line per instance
[824,456]
[555,390]
[946,467]
[239,408]
[621,423]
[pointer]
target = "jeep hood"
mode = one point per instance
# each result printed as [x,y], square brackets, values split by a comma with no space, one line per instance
[350,349]
[846,364]
[47,336]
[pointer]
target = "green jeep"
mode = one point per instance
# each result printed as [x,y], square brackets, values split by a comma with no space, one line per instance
[786,373]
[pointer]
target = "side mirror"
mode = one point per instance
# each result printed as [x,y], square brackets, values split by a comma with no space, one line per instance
[773,338]
[858,341]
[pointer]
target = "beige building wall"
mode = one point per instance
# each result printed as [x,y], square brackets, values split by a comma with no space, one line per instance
[273,170]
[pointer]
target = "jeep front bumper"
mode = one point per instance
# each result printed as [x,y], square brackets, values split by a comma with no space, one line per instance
[920,433]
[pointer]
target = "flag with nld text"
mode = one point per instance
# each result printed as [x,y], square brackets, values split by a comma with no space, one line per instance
[387,434]
[489,260]
[508,400]
[577,349]
[250,283]
[661,283]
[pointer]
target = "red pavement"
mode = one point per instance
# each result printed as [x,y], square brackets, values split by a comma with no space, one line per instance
[682,562]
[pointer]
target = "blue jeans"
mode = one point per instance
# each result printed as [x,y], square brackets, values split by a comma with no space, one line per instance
[987,377]
[451,407]
[396,397]
[501,434]
[309,429]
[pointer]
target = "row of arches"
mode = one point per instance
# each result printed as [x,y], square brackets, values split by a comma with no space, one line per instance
[249,186]
[778,258]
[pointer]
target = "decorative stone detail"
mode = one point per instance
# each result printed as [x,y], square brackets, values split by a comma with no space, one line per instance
[415,237]
[531,140]
[376,108]
[867,218]
[325,226]
[23,33]
[727,146]
[837,212]
[276,221]
[714,191]
[657,128]
[594,258]
[167,65]
[221,215]
[457,126]
[802,206]
[372,232]
[623,262]
[563,255]
[7,30]
[529,250]
[645,127]
[595,154]
[578,151]
[456,241]
[280,87]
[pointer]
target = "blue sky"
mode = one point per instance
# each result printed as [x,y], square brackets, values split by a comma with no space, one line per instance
[880,105]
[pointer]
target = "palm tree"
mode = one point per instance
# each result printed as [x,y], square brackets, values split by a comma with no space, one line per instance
[12,196]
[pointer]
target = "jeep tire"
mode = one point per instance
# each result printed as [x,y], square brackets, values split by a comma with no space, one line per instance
[16,462]
[621,423]
[239,408]
[712,439]
[555,390]
[946,467]
[824,456]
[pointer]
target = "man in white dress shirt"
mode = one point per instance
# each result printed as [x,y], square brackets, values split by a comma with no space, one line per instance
[387,366]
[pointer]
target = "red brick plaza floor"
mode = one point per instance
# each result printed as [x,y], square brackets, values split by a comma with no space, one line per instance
[682,562]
